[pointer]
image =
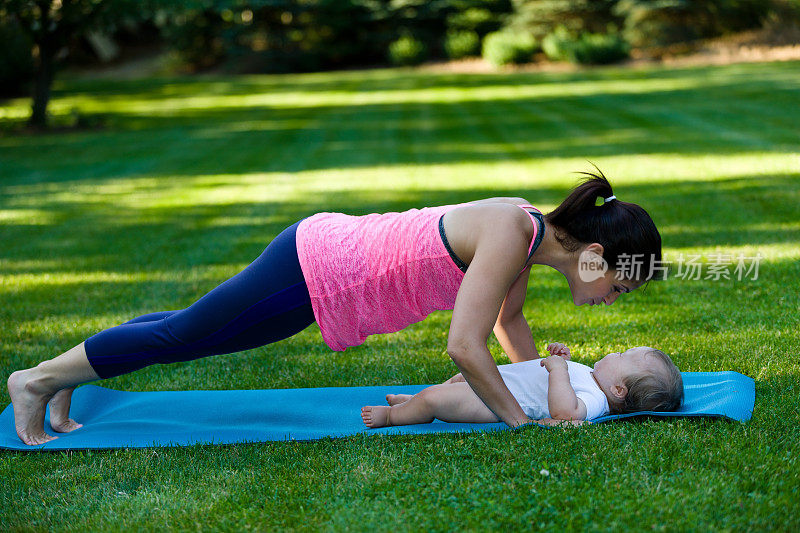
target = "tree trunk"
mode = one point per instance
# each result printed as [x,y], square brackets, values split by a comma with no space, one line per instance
[44,81]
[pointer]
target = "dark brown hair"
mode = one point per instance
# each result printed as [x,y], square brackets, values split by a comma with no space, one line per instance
[625,230]
[659,389]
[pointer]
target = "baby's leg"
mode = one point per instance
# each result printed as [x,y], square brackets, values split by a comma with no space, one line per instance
[453,402]
[395,399]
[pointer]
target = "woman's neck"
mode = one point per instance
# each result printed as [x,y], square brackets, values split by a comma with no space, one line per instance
[551,253]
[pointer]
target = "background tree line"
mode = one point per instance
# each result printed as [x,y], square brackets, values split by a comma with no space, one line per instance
[253,36]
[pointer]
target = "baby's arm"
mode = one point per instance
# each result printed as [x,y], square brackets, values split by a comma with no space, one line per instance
[562,402]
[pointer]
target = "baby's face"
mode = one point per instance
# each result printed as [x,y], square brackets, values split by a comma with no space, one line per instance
[612,368]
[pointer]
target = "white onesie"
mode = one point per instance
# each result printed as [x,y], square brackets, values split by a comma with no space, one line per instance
[528,381]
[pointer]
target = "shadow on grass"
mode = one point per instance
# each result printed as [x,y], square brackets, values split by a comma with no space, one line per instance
[97,234]
[737,109]
[393,80]
[179,242]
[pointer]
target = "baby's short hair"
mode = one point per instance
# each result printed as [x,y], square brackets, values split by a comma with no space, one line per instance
[659,389]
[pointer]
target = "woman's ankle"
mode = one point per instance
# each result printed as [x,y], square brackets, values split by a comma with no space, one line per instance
[38,381]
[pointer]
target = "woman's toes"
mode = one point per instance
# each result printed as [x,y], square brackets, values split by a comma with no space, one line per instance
[65,426]
[35,440]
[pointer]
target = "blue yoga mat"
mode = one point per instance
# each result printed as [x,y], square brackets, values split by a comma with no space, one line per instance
[118,419]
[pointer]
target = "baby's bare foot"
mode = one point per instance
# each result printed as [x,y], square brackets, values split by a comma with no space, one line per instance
[29,407]
[394,399]
[59,412]
[375,416]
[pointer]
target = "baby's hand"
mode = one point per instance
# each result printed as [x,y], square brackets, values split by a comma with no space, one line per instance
[553,362]
[556,348]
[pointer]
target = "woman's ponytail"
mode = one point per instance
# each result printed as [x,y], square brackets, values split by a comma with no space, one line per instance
[591,213]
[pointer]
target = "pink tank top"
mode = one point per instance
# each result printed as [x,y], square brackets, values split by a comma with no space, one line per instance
[376,273]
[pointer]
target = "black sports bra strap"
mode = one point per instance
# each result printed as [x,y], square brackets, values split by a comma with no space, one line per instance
[539,217]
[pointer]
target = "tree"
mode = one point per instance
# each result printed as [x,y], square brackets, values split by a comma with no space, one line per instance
[51,24]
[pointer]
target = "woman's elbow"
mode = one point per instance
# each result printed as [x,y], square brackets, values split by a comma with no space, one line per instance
[456,351]
[460,351]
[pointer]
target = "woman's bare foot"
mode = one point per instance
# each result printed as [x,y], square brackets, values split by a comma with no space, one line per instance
[395,399]
[59,412]
[29,401]
[375,416]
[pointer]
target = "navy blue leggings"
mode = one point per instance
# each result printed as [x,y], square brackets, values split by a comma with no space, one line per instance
[266,302]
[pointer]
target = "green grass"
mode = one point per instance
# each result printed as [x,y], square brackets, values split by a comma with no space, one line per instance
[193,176]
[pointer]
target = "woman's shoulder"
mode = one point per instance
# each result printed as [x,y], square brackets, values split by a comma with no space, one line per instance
[513,200]
[492,213]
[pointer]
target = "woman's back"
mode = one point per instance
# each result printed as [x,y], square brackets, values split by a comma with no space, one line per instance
[375,273]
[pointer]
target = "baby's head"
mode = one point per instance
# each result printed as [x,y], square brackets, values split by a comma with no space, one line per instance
[639,379]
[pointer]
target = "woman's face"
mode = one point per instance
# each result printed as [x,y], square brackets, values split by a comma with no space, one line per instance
[590,282]
[605,289]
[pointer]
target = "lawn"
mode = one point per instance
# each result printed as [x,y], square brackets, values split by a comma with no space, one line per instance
[190,179]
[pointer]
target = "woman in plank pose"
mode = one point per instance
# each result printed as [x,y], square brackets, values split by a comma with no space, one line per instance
[361,275]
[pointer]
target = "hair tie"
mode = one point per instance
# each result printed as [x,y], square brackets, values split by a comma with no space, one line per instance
[612,197]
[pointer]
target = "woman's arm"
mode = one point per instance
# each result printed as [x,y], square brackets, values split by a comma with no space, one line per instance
[511,328]
[501,248]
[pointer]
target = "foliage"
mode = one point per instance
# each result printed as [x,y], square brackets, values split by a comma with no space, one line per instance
[663,22]
[643,22]
[784,12]
[16,60]
[407,51]
[507,47]
[195,35]
[480,16]
[556,45]
[272,35]
[285,35]
[587,48]
[463,43]
[50,27]
[541,17]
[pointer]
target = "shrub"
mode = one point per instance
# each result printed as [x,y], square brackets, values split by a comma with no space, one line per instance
[601,49]
[460,44]
[648,23]
[588,49]
[478,19]
[557,46]
[541,17]
[407,51]
[504,47]
[195,37]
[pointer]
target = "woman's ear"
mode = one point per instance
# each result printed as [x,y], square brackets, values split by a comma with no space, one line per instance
[595,248]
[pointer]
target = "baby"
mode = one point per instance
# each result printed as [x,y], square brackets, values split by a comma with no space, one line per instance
[638,379]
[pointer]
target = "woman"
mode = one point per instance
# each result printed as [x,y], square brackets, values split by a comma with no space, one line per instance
[358,276]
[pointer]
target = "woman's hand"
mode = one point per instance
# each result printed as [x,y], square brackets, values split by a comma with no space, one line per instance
[553,422]
[556,348]
[559,423]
